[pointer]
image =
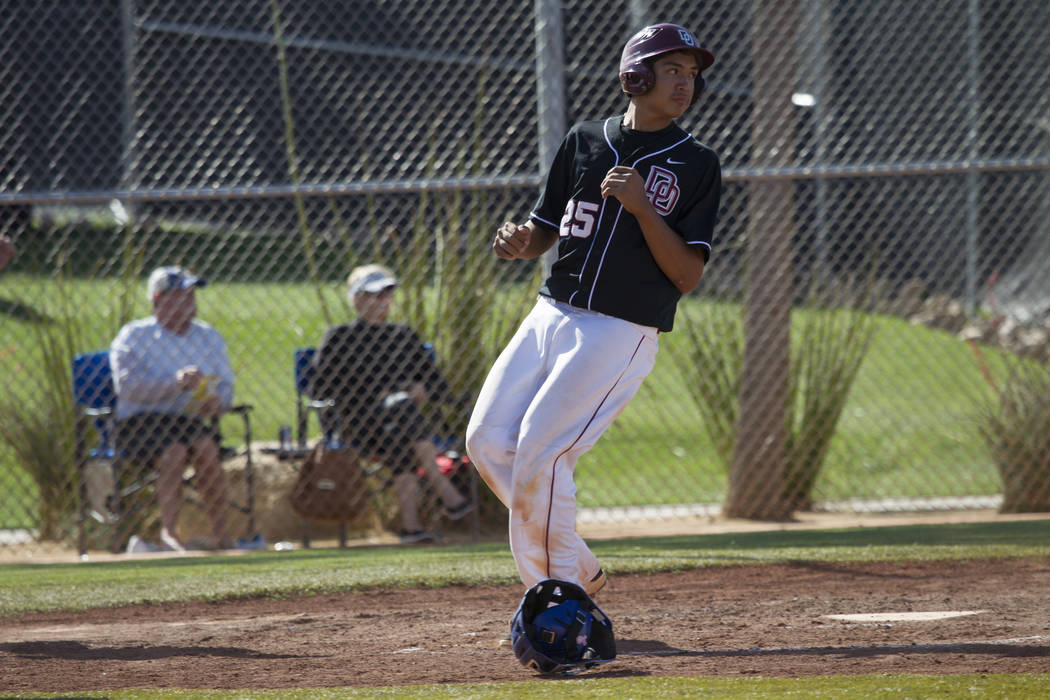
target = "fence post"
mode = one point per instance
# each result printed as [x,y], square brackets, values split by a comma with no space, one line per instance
[550,89]
[973,178]
[127,155]
[757,470]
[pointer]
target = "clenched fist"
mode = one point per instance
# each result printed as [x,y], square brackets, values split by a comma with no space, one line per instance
[511,240]
[625,184]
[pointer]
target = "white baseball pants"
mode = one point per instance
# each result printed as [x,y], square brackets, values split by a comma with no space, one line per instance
[560,382]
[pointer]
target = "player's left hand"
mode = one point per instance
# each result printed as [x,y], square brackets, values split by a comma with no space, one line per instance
[626,185]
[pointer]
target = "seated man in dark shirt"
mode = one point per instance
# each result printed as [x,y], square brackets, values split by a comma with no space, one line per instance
[378,374]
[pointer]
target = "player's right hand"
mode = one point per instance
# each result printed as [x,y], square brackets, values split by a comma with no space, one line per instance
[511,240]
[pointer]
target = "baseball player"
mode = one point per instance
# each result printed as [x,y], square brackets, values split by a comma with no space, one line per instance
[631,202]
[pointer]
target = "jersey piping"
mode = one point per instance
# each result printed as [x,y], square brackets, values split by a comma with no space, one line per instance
[588,225]
[619,211]
[533,215]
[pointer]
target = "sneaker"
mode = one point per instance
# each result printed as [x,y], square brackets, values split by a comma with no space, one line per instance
[170,543]
[596,583]
[417,536]
[461,510]
[505,641]
[137,545]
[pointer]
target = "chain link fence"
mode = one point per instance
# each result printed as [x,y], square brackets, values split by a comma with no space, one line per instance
[871,328]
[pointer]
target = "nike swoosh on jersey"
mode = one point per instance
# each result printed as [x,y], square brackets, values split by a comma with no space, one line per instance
[675,162]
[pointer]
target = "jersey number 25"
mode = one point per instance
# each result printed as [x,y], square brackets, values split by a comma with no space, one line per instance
[578,219]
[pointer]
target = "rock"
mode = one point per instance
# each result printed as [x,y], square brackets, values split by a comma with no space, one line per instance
[909,298]
[1032,342]
[942,312]
[272,482]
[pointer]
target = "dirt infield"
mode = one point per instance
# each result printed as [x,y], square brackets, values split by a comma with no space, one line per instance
[732,621]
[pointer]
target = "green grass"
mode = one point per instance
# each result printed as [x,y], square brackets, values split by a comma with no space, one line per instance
[28,588]
[872,687]
[907,430]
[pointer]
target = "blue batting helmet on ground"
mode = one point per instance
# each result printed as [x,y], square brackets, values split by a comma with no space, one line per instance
[558,629]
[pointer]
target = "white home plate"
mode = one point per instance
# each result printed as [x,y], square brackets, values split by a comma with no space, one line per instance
[905,616]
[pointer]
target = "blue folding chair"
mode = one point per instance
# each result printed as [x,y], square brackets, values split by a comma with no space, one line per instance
[307,404]
[304,373]
[95,401]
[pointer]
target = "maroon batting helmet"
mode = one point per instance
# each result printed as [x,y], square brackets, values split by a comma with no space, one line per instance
[637,77]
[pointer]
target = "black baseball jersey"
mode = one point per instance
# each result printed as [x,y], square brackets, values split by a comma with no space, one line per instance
[604,263]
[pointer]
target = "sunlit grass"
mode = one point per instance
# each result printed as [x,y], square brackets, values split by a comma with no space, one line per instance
[40,587]
[871,687]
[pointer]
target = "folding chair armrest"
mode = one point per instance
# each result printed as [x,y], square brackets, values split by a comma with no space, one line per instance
[244,410]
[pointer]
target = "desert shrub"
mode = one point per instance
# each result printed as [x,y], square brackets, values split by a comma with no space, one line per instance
[830,340]
[1016,428]
[38,426]
[825,359]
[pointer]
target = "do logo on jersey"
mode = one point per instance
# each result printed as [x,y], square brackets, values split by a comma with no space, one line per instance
[661,187]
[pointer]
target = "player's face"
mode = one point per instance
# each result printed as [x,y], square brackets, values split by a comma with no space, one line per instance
[672,91]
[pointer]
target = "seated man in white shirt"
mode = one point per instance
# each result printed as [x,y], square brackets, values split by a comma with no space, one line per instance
[172,376]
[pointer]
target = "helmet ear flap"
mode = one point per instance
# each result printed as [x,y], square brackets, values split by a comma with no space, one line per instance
[637,79]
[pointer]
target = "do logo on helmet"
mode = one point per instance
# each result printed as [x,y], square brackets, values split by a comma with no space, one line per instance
[687,38]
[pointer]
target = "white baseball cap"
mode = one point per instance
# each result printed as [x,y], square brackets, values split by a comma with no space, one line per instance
[370,279]
[169,278]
